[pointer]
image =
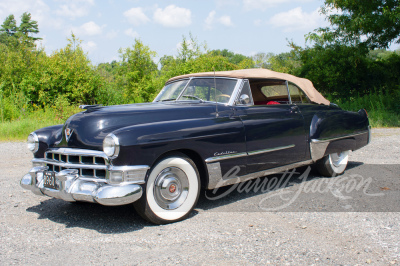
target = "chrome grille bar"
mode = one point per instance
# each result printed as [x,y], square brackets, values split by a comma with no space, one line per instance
[89,163]
[75,166]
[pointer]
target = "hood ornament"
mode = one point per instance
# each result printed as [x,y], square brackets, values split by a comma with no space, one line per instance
[68,133]
[88,106]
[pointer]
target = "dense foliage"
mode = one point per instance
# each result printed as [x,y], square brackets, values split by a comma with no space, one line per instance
[377,20]
[341,60]
[345,71]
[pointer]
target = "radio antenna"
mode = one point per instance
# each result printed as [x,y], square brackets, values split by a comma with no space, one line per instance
[215,95]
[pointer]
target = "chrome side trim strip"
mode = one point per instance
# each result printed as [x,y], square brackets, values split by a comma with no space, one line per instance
[270,150]
[214,174]
[243,154]
[225,157]
[318,146]
[337,138]
[221,183]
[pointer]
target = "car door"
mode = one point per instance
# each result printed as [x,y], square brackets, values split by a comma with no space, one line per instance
[274,127]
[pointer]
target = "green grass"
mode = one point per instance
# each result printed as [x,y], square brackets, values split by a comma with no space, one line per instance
[20,128]
[383,108]
[384,119]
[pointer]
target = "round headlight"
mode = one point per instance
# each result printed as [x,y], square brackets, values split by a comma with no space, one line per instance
[111,146]
[33,142]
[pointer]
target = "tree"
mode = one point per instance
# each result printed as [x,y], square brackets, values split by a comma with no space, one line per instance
[136,72]
[194,57]
[166,60]
[376,20]
[66,73]
[9,26]
[11,34]
[190,49]
[28,27]
[381,54]
[262,60]
[231,56]
[108,70]
[8,29]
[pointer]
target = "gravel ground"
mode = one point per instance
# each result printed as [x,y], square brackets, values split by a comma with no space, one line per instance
[316,228]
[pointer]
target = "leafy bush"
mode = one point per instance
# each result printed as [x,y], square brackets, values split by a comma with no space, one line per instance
[383,107]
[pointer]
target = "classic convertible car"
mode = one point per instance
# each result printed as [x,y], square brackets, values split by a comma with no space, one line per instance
[159,155]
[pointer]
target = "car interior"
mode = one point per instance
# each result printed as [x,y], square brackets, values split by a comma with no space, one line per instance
[272,92]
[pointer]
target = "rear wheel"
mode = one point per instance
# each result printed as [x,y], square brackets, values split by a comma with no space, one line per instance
[333,164]
[171,191]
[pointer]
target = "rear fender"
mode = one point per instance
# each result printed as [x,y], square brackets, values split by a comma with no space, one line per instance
[337,131]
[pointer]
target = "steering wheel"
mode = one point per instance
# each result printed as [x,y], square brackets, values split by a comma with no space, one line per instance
[224,96]
[193,97]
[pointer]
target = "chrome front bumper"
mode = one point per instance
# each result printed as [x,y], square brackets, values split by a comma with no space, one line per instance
[71,187]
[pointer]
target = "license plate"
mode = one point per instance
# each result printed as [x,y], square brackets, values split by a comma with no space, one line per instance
[49,179]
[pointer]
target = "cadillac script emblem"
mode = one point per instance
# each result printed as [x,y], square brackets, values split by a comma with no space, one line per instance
[68,133]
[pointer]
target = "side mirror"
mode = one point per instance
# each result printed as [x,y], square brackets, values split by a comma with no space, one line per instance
[244,99]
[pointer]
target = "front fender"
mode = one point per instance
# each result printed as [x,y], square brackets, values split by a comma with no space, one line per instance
[48,136]
[144,143]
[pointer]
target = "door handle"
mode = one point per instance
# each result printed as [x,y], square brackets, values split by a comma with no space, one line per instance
[294,109]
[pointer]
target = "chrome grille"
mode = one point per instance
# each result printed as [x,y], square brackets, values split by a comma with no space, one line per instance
[92,164]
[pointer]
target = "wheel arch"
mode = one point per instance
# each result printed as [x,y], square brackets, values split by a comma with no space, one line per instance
[195,157]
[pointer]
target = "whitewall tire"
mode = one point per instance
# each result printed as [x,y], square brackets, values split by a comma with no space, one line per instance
[333,164]
[171,191]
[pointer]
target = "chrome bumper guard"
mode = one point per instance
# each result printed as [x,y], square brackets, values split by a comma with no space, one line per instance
[72,187]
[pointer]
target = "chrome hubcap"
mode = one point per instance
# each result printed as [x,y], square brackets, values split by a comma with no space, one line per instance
[337,158]
[171,188]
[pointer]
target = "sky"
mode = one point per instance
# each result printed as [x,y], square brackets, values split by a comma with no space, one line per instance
[104,26]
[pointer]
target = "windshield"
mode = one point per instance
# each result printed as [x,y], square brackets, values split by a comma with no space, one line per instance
[198,89]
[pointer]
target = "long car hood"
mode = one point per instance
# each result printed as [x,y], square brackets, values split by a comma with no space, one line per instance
[89,128]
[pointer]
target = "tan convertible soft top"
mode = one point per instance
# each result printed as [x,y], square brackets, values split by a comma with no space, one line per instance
[305,84]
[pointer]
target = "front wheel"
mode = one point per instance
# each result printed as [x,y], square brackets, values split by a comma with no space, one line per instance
[171,191]
[333,164]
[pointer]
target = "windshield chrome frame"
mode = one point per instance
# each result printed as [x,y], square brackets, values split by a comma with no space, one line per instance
[154,101]
[235,92]
[184,89]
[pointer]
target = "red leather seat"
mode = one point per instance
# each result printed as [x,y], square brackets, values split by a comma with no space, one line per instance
[265,102]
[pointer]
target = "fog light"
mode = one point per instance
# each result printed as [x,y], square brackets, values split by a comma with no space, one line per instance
[116,177]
